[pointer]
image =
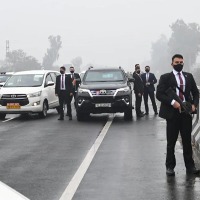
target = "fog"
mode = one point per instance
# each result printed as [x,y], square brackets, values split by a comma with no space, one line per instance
[102,32]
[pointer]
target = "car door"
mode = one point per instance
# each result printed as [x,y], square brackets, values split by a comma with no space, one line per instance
[55,98]
[50,90]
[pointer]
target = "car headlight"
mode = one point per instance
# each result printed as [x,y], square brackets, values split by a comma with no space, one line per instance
[123,91]
[84,91]
[36,94]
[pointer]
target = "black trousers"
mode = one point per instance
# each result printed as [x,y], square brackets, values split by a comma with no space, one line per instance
[138,101]
[152,97]
[64,98]
[182,123]
[71,97]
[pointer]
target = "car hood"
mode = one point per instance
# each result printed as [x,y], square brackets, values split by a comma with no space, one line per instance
[103,85]
[19,90]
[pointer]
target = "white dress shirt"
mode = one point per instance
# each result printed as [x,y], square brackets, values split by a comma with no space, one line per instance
[176,74]
[62,78]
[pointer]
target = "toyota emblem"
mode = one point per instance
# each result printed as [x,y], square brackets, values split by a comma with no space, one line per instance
[102,91]
[13,95]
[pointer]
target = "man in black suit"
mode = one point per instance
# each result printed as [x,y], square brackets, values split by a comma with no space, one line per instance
[139,90]
[64,90]
[185,88]
[76,80]
[149,80]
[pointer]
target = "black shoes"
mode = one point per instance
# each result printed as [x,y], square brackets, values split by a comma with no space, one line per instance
[60,118]
[146,113]
[70,118]
[141,115]
[192,170]
[156,113]
[170,172]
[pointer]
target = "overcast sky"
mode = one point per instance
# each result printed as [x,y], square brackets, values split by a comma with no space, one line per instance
[106,32]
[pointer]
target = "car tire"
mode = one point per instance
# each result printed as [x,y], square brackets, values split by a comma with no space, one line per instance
[2,116]
[128,114]
[43,114]
[81,116]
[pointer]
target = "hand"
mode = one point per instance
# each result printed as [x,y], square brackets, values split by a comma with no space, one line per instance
[139,94]
[74,82]
[193,108]
[56,94]
[177,105]
[147,83]
[71,94]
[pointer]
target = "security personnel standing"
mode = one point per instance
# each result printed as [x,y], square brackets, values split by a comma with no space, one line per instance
[76,80]
[149,80]
[185,88]
[139,90]
[64,91]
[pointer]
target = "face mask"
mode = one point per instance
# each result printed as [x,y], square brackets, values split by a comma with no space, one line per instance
[178,67]
[138,71]
[72,72]
[147,70]
[62,72]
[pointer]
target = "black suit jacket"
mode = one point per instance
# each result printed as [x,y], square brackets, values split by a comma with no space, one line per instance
[138,84]
[68,84]
[168,80]
[152,80]
[78,81]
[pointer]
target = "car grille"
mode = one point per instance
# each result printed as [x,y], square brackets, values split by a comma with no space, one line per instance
[14,98]
[102,92]
[103,99]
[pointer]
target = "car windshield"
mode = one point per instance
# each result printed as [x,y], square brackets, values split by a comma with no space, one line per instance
[3,78]
[104,76]
[25,80]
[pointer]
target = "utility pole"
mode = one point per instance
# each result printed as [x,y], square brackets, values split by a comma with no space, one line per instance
[7,52]
[7,48]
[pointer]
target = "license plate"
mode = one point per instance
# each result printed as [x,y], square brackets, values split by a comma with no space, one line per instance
[102,105]
[13,106]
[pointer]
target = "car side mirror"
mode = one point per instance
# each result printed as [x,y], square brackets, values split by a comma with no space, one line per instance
[50,83]
[131,79]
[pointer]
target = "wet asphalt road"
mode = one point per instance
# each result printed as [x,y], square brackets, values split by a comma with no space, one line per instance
[38,158]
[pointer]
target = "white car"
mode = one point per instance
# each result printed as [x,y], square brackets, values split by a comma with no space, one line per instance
[29,92]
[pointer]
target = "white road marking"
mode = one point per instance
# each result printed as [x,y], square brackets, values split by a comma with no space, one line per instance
[77,178]
[7,193]
[9,119]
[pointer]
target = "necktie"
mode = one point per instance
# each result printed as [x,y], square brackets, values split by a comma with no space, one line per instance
[181,87]
[62,81]
[147,77]
[72,77]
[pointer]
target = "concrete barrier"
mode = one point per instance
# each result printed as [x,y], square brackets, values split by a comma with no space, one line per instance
[196,129]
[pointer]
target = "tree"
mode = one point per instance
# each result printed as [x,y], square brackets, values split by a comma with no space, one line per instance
[17,60]
[53,52]
[160,55]
[77,62]
[185,39]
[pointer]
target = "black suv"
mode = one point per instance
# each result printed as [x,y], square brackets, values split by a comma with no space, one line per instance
[106,90]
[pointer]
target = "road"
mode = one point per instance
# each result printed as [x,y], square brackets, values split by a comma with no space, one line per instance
[39,157]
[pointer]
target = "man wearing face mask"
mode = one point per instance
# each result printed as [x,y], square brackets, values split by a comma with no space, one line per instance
[64,90]
[185,88]
[149,80]
[139,90]
[76,81]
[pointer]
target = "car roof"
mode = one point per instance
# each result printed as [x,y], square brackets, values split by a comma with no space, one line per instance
[35,72]
[104,68]
[5,73]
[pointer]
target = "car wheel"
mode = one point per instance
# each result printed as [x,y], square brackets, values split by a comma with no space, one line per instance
[43,114]
[2,115]
[128,115]
[81,116]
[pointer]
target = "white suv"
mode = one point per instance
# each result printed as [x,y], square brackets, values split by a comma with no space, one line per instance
[29,92]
